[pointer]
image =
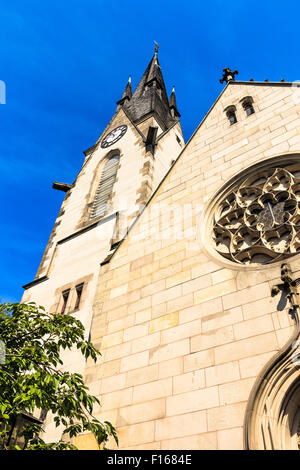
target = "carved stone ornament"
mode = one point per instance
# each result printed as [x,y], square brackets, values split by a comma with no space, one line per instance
[272,419]
[258,219]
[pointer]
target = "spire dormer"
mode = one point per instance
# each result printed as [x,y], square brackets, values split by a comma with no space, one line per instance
[173,105]
[127,93]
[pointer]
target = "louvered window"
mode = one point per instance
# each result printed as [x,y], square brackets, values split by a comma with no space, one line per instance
[105,187]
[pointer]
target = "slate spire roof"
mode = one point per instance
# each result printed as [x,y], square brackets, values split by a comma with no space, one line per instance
[150,97]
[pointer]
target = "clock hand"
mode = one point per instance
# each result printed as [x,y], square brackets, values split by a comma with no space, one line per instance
[270,208]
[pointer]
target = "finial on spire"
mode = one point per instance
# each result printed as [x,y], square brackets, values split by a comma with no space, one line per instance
[156,47]
[173,90]
[228,75]
[127,93]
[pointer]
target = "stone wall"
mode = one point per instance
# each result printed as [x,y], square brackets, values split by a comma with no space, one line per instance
[183,333]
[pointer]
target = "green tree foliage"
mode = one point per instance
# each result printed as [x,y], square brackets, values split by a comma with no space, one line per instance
[30,378]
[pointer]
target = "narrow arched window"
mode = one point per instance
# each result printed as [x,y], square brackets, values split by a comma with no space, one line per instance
[231,117]
[231,114]
[248,107]
[247,104]
[105,187]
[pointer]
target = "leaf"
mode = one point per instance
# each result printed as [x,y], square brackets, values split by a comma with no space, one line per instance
[29,379]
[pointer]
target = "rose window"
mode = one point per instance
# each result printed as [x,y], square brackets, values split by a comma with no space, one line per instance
[258,221]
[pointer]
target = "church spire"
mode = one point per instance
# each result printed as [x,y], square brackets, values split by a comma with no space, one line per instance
[127,93]
[150,97]
[173,105]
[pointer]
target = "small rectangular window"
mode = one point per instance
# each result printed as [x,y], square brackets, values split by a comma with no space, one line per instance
[65,296]
[78,289]
[178,140]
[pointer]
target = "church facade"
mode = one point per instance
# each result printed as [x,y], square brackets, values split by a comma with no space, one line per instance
[182,262]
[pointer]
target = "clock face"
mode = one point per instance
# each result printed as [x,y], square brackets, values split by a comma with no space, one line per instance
[115,135]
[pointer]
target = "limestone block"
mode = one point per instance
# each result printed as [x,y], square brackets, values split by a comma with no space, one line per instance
[224,417]
[188,382]
[117,291]
[246,347]
[178,278]
[167,295]
[165,273]
[253,327]
[120,324]
[198,360]
[116,399]
[108,369]
[231,439]
[180,332]
[222,373]
[205,441]
[179,303]
[142,316]
[153,287]
[223,275]
[247,295]
[236,391]
[221,319]
[112,339]
[170,367]
[182,425]
[146,342]
[117,352]
[202,310]
[152,390]
[116,382]
[136,434]
[142,261]
[256,308]
[196,284]
[142,375]
[213,338]
[163,322]
[192,401]
[216,291]
[142,412]
[141,304]
[135,332]
[134,361]
[85,442]
[163,353]
[174,258]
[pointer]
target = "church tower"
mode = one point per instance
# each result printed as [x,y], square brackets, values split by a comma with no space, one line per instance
[119,174]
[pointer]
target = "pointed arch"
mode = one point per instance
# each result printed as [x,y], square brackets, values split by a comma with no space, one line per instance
[105,187]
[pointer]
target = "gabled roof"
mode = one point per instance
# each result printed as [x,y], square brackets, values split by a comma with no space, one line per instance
[264,83]
[116,246]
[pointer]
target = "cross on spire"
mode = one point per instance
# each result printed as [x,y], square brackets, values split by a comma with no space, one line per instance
[228,75]
[156,47]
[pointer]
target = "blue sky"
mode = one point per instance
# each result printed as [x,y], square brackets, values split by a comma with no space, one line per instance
[66,63]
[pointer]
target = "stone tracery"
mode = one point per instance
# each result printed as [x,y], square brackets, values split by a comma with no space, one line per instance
[258,221]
